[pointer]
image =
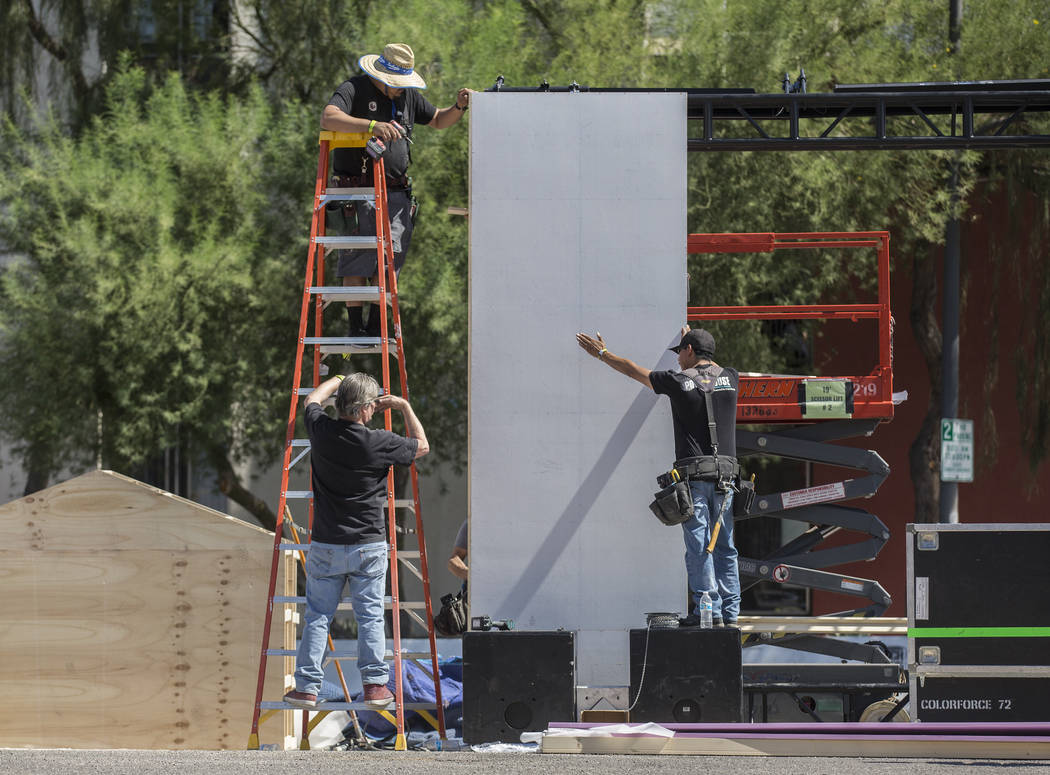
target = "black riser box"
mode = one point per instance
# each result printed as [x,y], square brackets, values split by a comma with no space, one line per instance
[691,675]
[980,576]
[516,682]
[973,699]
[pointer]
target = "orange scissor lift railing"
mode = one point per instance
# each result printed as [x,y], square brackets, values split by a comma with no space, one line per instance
[775,399]
[383,294]
[807,412]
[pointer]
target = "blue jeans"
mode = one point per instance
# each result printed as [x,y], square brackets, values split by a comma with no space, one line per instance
[716,573]
[328,568]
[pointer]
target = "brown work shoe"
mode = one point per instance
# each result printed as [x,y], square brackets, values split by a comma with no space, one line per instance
[377,696]
[301,700]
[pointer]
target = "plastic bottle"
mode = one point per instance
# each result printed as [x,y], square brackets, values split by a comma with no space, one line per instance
[706,606]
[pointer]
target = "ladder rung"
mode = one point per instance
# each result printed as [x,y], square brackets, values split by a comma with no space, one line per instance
[335,194]
[348,293]
[347,655]
[305,391]
[399,503]
[366,191]
[351,344]
[344,604]
[401,553]
[346,242]
[327,706]
[300,442]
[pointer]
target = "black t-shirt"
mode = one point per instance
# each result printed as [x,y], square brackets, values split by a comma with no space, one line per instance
[350,464]
[692,437]
[359,97]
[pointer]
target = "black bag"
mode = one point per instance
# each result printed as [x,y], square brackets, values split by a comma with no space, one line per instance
[673,504]
[452,619]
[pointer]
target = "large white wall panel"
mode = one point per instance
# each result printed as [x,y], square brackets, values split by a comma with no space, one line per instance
[577,222]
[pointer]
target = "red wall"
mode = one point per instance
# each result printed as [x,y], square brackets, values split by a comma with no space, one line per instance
[1004,487]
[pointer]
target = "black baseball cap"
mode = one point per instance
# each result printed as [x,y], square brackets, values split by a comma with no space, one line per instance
[701,341]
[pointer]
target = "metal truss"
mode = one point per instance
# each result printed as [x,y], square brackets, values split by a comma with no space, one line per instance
[866,118]
[973,115]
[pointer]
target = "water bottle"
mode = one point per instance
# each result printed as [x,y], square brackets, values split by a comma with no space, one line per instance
[706,606]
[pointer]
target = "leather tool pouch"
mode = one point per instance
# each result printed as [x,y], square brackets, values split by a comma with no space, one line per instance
[745,497]
[452,618]
[673,505]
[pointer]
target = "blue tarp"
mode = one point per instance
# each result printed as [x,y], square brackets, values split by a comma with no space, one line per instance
[417,687]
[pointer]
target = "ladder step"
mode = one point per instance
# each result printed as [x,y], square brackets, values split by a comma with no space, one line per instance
[327,706]
[399,503]
[348,293]
[401,553]
[348,655]
[345,242]
[351,344]
[335,194]
[345,605]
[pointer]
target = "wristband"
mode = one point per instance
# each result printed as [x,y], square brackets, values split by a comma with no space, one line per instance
[602,352]
[457,107]
[371,125]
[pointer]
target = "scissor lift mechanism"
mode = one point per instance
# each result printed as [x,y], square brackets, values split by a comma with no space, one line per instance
[855,407]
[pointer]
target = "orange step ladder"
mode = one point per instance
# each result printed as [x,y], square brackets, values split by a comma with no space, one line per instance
[315,295]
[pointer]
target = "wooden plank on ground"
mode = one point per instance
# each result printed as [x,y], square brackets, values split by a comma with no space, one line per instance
[910,747]
[825,625]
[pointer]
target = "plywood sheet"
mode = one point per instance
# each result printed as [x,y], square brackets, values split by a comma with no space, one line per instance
[103,509]
[577,222]
[133,620]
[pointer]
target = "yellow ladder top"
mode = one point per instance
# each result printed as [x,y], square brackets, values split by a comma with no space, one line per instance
[344,139]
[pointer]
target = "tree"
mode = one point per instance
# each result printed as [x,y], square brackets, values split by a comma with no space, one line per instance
[300,54]
[158,296]
[74,44]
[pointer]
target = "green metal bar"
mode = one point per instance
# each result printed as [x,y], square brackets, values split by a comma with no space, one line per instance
[979,632]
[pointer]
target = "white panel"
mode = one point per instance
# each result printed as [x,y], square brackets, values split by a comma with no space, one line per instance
[577,222]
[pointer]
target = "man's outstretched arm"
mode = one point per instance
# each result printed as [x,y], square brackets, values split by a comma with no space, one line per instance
[596,348]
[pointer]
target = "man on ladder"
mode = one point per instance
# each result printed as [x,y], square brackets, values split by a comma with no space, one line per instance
[350,462]
[385,102]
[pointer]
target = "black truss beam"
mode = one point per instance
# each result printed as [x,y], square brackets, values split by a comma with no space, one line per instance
[974,115]
[828,122]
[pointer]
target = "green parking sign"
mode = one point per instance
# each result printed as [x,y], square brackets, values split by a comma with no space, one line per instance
[956,450]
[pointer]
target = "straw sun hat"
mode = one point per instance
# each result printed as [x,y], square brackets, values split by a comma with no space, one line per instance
[394,67]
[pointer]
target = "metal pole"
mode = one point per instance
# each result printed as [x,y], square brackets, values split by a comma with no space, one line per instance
[954,24]
[949,499]
[949,495]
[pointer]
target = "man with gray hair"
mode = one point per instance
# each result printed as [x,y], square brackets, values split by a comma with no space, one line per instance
[350,462]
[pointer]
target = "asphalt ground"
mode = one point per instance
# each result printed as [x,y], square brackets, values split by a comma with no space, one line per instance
[65,762]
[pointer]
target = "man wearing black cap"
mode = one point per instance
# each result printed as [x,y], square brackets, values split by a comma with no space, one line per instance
[700,382]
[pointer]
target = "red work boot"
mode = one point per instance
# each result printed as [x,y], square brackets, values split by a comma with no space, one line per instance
[301,700]
[377,696]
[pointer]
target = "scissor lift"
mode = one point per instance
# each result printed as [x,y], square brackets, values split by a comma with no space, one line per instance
[802,416]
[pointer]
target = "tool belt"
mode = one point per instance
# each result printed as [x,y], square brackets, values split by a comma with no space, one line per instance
[673,505]
[706,468]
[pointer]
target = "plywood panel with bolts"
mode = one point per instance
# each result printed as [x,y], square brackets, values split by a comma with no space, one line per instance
[130,649]
[133,619]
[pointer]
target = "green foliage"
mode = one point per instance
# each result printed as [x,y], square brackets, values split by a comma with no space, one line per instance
[157,294]
[187,306]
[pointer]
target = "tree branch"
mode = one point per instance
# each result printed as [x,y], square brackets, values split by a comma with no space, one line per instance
[230,486]
[55,48]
